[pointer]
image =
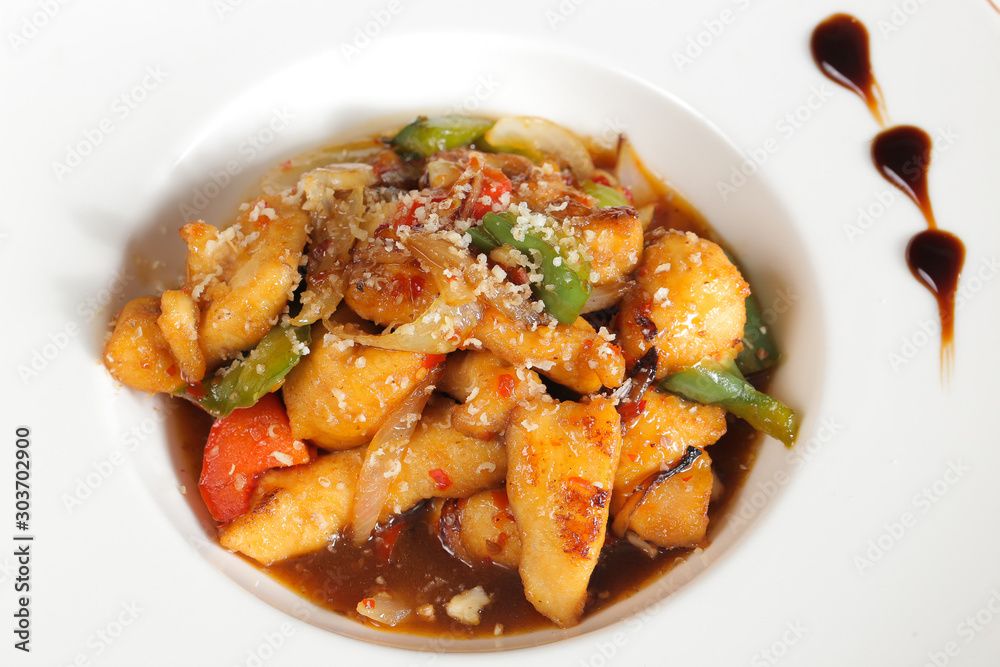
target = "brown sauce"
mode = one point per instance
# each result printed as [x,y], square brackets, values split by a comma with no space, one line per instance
[935,258]
[420,570]
[840,48]
[902,154]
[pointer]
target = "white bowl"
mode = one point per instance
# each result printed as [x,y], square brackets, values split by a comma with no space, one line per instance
[309,103]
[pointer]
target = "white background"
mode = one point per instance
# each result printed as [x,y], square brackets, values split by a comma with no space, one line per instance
[897,430]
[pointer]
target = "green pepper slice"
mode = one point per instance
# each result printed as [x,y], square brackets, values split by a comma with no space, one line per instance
[721,383]
[429,135]
[245,381]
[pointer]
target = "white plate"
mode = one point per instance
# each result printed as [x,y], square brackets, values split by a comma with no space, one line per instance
[840,557]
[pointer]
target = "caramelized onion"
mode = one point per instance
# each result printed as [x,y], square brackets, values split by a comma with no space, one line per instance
[633,174]
[605,296]
[439,330]
[383,458]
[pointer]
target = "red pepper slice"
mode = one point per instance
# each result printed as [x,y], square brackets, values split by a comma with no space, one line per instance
[495,184]
[240,448]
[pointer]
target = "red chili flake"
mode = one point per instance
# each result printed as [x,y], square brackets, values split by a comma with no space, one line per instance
[387,540]
[196,390]
[287,164]
[432,360]
[368,603]
[632,457]
[629,411]
[500,499]
[600,179]
[686,479]
[440,477]
[628,195]
[172,369]
[495,184]
[505,385]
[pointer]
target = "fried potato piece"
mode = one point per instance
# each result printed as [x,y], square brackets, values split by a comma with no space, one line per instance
[179,323]
[694,297]
[561,464]
[573,356]
[614,239]
[296,510]
[480,528]
[385,284]
[341,393]
[243,277]
[441,462]
[675,512]
[138,354]
[488,388]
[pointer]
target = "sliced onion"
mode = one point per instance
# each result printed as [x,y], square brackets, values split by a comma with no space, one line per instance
[335,196]
[436,254]
[439,330]
[285,175]
[383,458]
[605,296]
[633,174]
[384,609]
[440,255]
[538,138]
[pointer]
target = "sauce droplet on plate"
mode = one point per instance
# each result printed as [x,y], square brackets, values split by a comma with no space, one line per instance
[935,258]
[902,155]
[840,48]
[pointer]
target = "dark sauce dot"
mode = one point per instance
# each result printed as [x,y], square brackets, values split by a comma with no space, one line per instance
[903,155]
[840,48]
[935,258]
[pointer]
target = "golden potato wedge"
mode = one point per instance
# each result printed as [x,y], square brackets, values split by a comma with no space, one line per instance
[488,388]
[138,354]
[561,465]
[296,510]
[441,462]
[341,393]
[573,356]
[243,276]
[688,302]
